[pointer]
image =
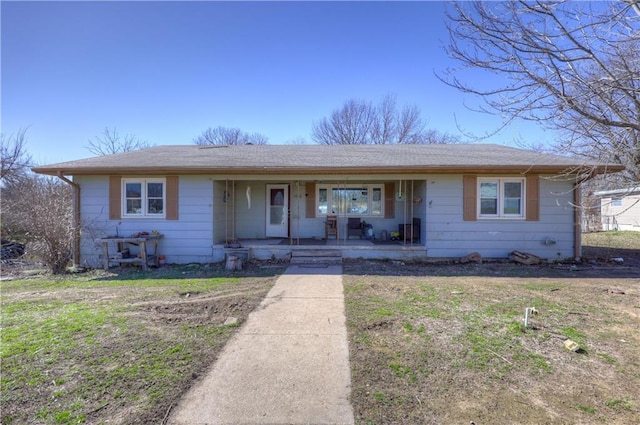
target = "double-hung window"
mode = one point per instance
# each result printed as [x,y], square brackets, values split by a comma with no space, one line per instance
[501,198]
[356,200]
[144,197]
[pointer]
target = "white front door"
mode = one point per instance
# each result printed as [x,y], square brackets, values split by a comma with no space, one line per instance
[277,210]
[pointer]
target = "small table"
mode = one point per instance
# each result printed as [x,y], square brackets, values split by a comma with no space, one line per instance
[141,241]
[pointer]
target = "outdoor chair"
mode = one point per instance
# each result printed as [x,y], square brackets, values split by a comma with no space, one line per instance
[354,227]
[331,227]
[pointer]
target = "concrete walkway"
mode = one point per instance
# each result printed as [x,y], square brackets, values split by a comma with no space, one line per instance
[289,364]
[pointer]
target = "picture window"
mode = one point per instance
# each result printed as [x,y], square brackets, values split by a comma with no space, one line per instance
[356,200]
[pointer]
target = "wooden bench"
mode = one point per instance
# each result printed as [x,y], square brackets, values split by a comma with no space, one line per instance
[142,242]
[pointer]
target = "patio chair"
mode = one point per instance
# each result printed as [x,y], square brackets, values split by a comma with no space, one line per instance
[354,227]
[331,227]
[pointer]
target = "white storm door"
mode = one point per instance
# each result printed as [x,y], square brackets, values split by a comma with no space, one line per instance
[277,210]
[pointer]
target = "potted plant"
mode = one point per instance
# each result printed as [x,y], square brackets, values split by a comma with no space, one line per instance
[232,243]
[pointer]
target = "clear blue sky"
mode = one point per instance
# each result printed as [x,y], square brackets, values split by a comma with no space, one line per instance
[166,71]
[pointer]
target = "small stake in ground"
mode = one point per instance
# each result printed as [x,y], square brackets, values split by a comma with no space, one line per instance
[528,312]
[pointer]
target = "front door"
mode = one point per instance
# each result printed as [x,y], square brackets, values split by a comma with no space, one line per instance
[277,211]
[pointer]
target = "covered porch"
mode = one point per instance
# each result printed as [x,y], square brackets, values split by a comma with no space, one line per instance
[371,218]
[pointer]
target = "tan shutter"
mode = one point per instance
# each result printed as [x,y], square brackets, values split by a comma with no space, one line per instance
[389,200]
[533,197]
[310,193]
[469,198]
[172,198]
[115,197]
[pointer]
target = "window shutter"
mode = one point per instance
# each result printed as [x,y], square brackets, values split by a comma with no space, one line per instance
[115,198]
[389,200]
[172,198]
[469,198]
[310,206]
[533,197]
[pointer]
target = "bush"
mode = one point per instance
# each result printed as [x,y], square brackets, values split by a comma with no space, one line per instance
[39,209]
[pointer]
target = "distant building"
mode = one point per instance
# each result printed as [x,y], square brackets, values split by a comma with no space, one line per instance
[620,209]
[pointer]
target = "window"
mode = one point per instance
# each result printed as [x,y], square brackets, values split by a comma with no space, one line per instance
[501,198]
[143,197]
[357,200]
[616,202]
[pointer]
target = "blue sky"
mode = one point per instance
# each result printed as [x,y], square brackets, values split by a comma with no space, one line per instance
[166,71]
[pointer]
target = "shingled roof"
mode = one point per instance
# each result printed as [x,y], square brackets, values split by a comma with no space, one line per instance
[335,159]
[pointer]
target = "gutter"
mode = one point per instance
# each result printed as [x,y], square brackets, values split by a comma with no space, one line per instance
[577,221]
[305,170]
[624,192]
[76,218]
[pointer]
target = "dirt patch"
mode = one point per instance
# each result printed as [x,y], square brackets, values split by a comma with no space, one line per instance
[201,308]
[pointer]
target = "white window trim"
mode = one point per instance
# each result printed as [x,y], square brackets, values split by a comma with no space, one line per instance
[616,202]
[145,203]
[368,187]
[500,215]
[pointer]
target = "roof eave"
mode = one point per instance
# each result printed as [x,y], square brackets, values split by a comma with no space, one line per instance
[444,169]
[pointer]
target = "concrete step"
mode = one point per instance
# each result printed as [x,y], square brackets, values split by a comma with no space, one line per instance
[316,260]
[316,256]
[316,253]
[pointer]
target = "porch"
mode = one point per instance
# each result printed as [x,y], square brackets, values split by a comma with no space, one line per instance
[276,216]
[280,248]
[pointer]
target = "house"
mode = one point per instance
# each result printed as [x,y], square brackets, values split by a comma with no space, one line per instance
[620,209]
[438,200]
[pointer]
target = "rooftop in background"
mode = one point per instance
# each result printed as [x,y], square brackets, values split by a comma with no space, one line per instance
[622,192]
[336,159]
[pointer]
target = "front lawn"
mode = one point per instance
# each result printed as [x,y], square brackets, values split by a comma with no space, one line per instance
[115,348]
[439,344]
[428,343]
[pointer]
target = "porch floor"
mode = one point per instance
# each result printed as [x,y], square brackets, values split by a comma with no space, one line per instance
[280,248]
[306,242]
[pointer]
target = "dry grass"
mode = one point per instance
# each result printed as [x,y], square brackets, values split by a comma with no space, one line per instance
[446,344]
[429,344]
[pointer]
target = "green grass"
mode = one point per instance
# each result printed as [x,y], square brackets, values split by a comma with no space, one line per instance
[613,239]
[587,409]
[176,284]
[607,358]
[619,404]
[73,347]
[572,333]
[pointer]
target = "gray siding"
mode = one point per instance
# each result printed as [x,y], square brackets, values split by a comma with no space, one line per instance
[206,220]
[449,236]
[188,239]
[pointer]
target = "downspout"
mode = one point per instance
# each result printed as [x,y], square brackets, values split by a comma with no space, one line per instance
[76,218]
[577,221]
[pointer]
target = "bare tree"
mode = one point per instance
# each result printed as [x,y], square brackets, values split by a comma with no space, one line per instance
[296,141]
[359,122]
[39,209]
[111,143]
[229,136]
[350,125]
[572,67]
[435,137]
[14,158]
